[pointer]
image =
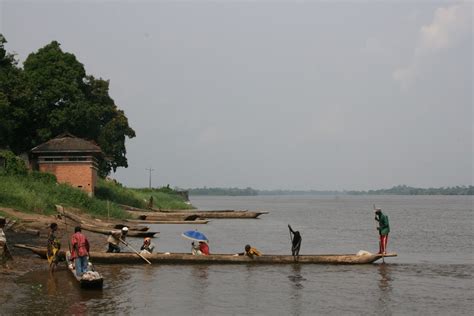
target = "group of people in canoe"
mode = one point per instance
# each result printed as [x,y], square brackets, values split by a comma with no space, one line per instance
[79,247]
[79,244]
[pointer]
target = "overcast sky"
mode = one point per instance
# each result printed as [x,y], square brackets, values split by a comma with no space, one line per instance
[275,95]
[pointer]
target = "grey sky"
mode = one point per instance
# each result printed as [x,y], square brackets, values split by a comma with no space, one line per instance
[291,95]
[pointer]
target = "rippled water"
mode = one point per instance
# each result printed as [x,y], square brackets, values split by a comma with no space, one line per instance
[432,275]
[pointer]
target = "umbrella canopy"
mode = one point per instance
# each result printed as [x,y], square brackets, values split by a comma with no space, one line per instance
[195,236]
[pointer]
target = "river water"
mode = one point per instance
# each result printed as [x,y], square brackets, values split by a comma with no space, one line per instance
[433,274]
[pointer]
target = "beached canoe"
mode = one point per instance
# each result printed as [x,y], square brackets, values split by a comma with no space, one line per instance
[90,280]
[157,216]
[181,258]
[201,214]
[105,231]
[143,221]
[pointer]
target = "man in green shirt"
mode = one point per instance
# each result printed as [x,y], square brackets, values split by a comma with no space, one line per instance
[384,229]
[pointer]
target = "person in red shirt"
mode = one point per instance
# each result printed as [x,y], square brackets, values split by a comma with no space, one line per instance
[79,251]
[204,248]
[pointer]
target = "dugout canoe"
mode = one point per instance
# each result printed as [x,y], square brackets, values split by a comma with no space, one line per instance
[85,283]
[165,217]
[181,258]
[142,221]
[200,214]
[84,220]
[131,233]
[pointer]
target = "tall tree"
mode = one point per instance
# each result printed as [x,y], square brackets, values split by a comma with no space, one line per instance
[14,99]
[60,97]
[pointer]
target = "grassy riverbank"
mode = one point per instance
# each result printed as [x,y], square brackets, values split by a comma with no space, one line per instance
[35,193]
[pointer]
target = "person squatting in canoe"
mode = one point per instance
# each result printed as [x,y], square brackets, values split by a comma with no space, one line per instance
[201,248]
[79,251]
[384,230]
[250,252]
[147,247]
[115,237]
[295,241]
[53,247]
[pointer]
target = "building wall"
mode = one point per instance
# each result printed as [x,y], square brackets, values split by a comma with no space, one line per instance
[80,175]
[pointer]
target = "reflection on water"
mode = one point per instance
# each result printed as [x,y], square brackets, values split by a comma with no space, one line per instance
[385,289]
[296,287]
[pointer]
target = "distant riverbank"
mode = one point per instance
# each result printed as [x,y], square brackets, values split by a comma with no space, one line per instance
[396,190]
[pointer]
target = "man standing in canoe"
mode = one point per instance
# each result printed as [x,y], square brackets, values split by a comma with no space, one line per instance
[79,251]
[295,237]
[383,228]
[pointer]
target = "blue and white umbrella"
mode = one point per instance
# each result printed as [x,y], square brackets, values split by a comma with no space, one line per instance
[195,236]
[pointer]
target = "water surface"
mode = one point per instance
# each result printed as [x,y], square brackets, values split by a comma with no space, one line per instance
[432,275]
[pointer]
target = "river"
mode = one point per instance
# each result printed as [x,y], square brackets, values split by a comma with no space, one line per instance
[433,274]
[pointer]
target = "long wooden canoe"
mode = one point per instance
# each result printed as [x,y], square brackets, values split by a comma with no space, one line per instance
[156,214]
[105,231]
[199,214]
[143,221]
[85,283]
[181,258]
[84,220]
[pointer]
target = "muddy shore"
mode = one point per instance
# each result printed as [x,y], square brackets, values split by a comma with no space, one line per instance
[25,261]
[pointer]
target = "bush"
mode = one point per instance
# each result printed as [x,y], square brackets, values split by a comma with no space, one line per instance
[43,176]
[13,164]
[112,191]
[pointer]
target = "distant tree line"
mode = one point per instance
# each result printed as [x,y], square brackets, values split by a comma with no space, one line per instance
[223,191]
[396,190]
[52,94]
[406,190]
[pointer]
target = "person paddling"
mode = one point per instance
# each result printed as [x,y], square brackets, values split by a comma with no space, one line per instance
[115,238]
[295,242]
[384,230]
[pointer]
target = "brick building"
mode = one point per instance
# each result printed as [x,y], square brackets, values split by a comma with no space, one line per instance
[71,159]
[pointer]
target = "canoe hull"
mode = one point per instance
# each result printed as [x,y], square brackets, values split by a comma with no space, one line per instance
[85,284]
[131,233]
[181,258]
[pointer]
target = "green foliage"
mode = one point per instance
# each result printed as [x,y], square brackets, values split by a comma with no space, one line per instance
[164,198]
[52,95]
[43,176]
[39,195]
[13,164]
[112,191]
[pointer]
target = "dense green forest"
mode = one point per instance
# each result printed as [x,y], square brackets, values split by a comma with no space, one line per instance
[396,190]
[52,94]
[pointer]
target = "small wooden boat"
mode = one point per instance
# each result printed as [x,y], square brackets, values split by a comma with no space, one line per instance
[184,258]
[105,231]
[91,280]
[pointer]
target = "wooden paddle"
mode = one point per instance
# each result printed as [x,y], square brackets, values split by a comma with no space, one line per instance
[139,254]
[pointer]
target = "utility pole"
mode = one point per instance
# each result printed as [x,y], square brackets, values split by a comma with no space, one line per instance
[149,178]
